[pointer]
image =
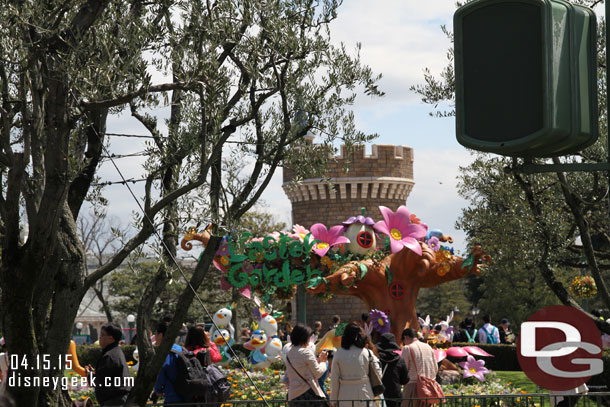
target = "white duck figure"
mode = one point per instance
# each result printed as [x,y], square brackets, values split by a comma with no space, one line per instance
[257,343]
[268,324]
[274,350]
[222,338]
[222,319]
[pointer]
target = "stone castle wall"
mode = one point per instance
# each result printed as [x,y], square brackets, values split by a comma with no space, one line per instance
[385,177]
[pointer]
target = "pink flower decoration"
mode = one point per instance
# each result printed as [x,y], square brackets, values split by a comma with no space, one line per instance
[473,367]
[402,232]
[327,238]
[456,352]
[475,350]
[300,232]
[440,354]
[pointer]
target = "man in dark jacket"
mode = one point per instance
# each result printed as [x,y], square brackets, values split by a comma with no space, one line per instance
[111,374]
[393,367]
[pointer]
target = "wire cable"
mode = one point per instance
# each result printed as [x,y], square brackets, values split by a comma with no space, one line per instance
[177,265]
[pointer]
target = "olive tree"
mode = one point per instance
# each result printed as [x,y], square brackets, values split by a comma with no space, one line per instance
[246,82]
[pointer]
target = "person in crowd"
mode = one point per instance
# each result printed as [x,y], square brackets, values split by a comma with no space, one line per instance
[110,366]
[245,335]
[488,333]
[169,371]
[467,332]
[393,369]
[198,341]
[506,335]
[350,385]
[317,329]
[303,369]
[336,320]
[420,361]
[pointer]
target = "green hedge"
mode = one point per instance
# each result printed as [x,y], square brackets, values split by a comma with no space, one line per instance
[89,354]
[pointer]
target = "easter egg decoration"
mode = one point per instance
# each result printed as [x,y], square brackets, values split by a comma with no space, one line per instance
[359,231]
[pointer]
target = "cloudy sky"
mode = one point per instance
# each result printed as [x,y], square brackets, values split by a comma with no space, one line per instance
[399,39]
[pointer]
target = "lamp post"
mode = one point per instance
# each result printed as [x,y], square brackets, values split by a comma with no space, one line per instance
[131,321]
[79,326]
[475,311]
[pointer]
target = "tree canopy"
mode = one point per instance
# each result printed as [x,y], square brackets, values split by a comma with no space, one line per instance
[245,82]
[538,228]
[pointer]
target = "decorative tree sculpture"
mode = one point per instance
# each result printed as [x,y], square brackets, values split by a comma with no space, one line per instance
[396,257]
[392,284]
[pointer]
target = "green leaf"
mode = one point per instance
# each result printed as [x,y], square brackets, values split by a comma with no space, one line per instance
[314,282]
[363,270]
[388,275]
[468,262]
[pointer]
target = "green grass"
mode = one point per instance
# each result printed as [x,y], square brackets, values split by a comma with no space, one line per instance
[519,379]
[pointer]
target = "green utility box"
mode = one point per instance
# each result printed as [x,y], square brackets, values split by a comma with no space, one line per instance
[525,77]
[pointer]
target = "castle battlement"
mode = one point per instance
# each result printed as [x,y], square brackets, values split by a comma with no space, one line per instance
[383,177]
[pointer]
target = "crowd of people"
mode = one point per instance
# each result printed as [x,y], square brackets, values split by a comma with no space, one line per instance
[355,366]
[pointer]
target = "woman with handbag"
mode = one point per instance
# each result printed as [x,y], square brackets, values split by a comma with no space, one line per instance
[422,366]
[351,384]
[303,370]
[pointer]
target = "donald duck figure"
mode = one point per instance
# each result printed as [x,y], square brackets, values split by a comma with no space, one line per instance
[257,344]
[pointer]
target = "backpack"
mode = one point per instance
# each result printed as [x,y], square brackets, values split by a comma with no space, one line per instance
[199,380]
[191,381]
[469,339]
[491,339]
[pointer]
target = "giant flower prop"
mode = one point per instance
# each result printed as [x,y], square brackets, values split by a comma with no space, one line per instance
[400,229]
[327,238]
[380,321]
[473,367]
[459,352]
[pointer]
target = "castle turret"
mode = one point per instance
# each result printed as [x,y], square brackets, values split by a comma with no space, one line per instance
[385,177]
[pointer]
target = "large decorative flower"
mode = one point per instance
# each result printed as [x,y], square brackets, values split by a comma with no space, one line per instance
[327,238]
[459,352]
[299,232]
[402,232]
[473,367]
[380,321]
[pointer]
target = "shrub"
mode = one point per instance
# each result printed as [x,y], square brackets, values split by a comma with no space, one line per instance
[89,354]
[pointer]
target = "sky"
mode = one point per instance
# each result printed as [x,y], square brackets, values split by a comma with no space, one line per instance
[399,38]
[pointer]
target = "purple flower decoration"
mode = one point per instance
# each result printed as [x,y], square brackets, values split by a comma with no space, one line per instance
[380,321]
[434,244]
[327,238]
[360,219]
[473,367]
[402,232]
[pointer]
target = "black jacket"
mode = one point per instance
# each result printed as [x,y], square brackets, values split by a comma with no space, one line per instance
[393,366]
[112,364]
[460,335]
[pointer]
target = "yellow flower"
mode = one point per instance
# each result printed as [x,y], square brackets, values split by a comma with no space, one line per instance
[276,371]
[259,398]
[325,260]
[130,363]
[244,397]
[523,392]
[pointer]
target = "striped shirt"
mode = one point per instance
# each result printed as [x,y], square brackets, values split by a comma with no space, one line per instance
[424,358]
